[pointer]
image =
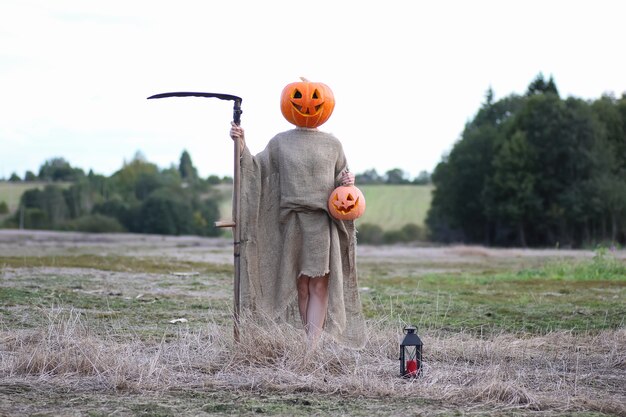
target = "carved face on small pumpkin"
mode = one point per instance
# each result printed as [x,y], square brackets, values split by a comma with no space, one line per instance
[346,202]
[306,103]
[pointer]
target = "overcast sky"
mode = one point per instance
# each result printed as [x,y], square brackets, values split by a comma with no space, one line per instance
[407,75]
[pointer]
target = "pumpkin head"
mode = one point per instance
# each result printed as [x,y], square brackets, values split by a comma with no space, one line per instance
[346,202]
[306,103]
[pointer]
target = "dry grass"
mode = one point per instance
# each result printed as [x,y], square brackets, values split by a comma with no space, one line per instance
[111,349]
[559,372]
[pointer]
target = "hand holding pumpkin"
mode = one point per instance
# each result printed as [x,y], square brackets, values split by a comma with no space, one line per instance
[347,178]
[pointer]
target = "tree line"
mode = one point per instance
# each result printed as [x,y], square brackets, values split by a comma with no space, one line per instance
[535,170]
[138,198]
[142,198]
[58,169]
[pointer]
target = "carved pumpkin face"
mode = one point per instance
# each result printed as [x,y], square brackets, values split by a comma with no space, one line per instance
[346,202]
[306,103]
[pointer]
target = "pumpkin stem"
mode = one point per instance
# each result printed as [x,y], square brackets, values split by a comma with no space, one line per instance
[304,79]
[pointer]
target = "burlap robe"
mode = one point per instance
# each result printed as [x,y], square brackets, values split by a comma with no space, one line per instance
[286,231]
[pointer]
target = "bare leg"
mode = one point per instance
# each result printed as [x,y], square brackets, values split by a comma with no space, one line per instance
[316,308]
[303,298]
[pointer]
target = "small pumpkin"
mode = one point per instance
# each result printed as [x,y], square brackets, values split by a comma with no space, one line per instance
[346,202]
[306,103]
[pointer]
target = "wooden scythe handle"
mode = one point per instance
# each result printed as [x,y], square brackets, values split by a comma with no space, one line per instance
[236,238]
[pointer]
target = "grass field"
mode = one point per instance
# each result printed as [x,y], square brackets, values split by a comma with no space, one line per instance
[11,192]
[393,206]
[91,325]
[388,206]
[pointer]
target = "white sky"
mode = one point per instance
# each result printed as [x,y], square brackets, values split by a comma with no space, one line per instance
[407,75]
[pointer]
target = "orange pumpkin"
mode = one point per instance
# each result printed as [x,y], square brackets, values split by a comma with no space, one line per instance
[346,202]
[306,103]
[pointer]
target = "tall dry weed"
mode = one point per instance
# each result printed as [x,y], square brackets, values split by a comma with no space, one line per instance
[558,371]
[68,348]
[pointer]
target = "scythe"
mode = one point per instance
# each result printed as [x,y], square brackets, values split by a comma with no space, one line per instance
[234,224]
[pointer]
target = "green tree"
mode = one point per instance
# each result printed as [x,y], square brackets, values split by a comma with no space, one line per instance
[607,190]
[166,212]
[128,214]
[186,169]
[55,206]
[43,209]
[540,86]
[396,176]
[561,135]
[535,170]
[214,180]
[136,180]
[513,203]
[581,135]
[369,176]
[543,120]
[32,198]
[204,217]
[460,205]
[58,169]
[82,195]
[457,211]
[31,214]
[423,178]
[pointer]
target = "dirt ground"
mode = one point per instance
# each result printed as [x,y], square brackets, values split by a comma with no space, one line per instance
[213,388]
[219,250]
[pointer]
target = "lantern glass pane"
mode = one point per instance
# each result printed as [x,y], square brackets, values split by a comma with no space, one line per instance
[410,353]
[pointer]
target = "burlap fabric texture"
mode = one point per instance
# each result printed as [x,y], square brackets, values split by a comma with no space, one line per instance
[287,231]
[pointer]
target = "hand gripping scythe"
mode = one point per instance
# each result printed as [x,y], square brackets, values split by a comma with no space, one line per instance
[236,192]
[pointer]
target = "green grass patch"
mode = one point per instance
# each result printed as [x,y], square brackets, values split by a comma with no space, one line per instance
[581,296]
[115,263]
[143,304]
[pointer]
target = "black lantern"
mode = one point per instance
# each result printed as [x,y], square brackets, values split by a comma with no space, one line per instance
[411,354]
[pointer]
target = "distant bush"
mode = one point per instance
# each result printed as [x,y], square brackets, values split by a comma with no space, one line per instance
[412,233]
[126,214]
[4,207]
[374,235]
[214,180]
[393,236]
[35,218]
[94,223]
[166,213]
[204,218]
[370,233]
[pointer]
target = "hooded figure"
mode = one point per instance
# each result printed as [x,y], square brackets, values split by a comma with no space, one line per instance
[298,264]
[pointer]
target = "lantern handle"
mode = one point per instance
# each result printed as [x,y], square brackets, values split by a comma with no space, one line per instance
[410,329]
